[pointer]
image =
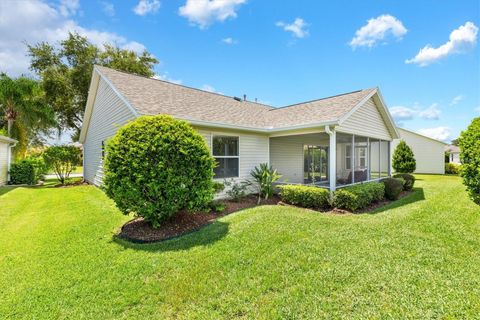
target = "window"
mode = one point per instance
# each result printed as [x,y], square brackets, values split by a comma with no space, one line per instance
[225,152]
[348,157]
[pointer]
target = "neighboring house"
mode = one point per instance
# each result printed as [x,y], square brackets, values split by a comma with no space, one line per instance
[6,145]
[453,154]
[428,152]
[329,142]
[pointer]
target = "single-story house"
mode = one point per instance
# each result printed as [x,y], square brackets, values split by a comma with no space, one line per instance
[330,142]
[428,152]
[453,154]
[6,145]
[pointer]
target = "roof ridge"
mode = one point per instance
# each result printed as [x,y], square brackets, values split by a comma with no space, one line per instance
[183,86]
[319,99]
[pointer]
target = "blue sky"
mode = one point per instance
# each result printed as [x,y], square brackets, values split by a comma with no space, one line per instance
[285,52]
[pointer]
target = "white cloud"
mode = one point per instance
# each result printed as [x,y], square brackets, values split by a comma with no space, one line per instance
[204,12]
[69,7]
[297,27]
[209,88]
[229,41]
[431,113]
[456,100]
[108,8]
[166,77]
[378,29]
[461,39]
[145,7]
[439,133]
[400,113]
[33,21]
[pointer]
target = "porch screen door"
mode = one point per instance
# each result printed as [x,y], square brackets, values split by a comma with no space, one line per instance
[315,163]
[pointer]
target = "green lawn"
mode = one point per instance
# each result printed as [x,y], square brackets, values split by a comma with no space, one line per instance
[418,258]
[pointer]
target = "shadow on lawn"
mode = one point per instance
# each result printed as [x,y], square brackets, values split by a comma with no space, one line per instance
[204,236]
[6,189]
[416,195]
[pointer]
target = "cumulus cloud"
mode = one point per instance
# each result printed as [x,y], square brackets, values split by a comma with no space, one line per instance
[400,113]
[456,100]
[431,113]
[69,7]
[378,29]
[229,40]
[439,133]
[297,27]
[33,21]
[460,41]
[108,8]
[204,12]
[145,7]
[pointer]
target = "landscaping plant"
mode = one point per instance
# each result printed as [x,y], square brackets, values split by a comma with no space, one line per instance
[358,196]
[305,196]
[27,171]
[62,160]
[452,168]
[409,180]
[236,190]
[156,166]
[470,157]
[403,160]
[264,177]
[393,187]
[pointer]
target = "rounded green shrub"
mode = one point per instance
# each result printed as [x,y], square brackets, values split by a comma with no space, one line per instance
[156,166]
[62,160]
[470,158]
[305,196]
[409,180]
[403,160]
[393,187]
[452,168]
[27,171]
[359,196]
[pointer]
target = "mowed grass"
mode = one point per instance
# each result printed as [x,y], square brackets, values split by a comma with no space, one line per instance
[418,258]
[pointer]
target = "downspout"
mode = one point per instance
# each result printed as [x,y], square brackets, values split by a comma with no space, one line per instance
[332,159]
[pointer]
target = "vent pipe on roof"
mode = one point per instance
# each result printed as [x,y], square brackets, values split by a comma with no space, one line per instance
[237,99]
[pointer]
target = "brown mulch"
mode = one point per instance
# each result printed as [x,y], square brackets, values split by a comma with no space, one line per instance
[140,231]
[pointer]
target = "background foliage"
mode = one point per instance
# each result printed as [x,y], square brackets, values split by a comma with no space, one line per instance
[470,158]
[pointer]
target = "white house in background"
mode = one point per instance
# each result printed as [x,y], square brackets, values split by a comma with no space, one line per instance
[429,153]
[330,142]
[6,145]
[454,154]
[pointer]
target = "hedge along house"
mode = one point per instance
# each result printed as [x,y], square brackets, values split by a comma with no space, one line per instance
[330,143]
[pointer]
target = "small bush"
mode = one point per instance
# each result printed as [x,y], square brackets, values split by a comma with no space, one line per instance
[236,190]
[409,180]
[156,166]
[403,160]
[470,157]
[27,171]
[217,206]
[393,187]
[358,196]
[264,176]
[63,160]
[218,187]
[305,196]
[452,168]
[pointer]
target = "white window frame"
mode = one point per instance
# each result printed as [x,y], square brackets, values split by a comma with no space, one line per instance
[348,159]
[213,136]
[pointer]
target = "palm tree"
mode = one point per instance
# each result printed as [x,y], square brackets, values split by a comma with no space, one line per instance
[22,104]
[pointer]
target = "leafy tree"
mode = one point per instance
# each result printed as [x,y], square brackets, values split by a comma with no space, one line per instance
[66,72]
[156,166]
[24,110]
[456,142]
[470,157]
[403,160]
[63,160]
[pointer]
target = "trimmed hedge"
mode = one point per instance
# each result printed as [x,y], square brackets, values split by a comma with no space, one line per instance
[452,168]
[409,180]
[27,171]
[358,196]
[305,196]
[393,187]
[156,166]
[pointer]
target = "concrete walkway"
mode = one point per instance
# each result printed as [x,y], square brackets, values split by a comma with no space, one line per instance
[72,175]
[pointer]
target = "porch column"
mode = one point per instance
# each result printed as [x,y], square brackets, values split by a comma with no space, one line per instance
[332,158]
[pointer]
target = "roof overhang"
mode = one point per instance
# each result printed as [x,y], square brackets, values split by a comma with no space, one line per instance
[7,140]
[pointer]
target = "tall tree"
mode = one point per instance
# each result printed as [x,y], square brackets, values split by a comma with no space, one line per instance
[24,109]
[403,159]
[66,70]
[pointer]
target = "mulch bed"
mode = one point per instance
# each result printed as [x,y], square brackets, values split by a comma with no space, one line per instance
[140,231]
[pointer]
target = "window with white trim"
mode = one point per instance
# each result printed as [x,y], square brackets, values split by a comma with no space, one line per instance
[225,152]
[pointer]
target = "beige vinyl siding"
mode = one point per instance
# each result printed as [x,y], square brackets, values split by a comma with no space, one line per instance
[286,154]
[3,162]
[429,154]
[109,113]
[366,121]
[253,149]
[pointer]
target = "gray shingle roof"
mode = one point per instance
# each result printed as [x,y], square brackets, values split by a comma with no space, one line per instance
[151,96]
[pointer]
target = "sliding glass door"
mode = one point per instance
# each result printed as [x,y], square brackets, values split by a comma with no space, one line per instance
[315,164]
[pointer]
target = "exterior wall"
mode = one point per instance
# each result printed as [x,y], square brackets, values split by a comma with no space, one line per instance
[253,149]
[455,158]
[286,154]
[366,121]
[429,154]
[3,162]
[109,113]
